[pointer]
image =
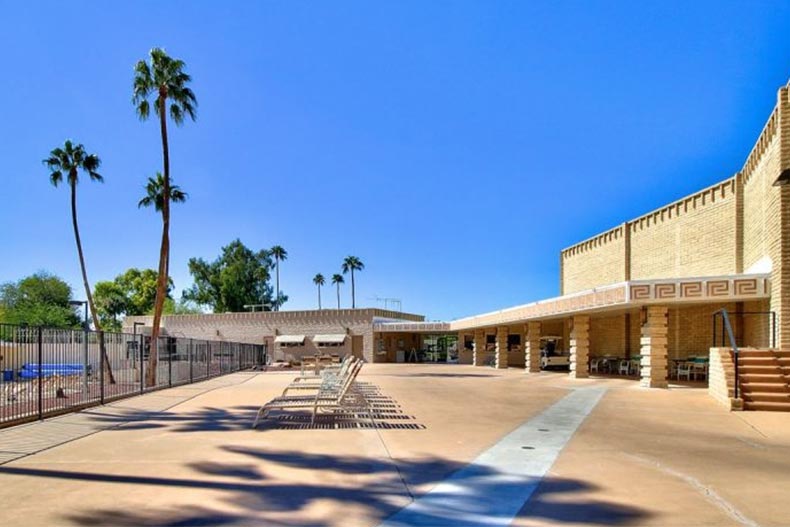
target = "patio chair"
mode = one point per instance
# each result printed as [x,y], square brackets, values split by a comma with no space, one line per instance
[625,367]
[327,398]
[699,368]
[684,370]
[594,364]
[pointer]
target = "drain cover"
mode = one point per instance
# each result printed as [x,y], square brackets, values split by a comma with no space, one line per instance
[528,447]
[543,430]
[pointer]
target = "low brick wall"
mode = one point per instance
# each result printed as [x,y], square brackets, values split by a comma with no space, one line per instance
[721,378]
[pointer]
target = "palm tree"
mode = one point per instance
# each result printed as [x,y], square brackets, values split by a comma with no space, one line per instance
[351,264]
[319,281]
[154,195]
[337,279]
[68,162]
[164,79]
[279,254]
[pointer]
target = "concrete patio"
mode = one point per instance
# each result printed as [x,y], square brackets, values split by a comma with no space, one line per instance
[187,456]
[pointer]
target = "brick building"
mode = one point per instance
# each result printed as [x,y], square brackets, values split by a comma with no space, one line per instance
[647,288]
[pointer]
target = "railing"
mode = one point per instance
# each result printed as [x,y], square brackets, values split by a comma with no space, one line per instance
[726,326]
[48,371]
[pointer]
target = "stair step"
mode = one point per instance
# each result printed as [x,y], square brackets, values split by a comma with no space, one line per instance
[762,377]
[762,353]
[767,406]
[759,361]
[749,368]
[762,387]
[766,397]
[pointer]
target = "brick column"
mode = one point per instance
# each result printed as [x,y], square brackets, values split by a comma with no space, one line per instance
[479,352]
[501,347]
[532,347]
[654,348]
[580,346]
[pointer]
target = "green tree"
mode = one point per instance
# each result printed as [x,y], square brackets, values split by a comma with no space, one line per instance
[140,285]
[351,264]
[131,293]
[319,281]
[163,79]
[337,279]
[111,303]
[279,255]
[68,162]
[41,299]
[238,277]
[181,307]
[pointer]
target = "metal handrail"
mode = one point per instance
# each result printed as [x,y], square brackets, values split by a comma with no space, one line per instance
[734,345]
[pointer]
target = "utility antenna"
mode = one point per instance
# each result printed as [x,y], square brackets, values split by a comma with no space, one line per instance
[394,303]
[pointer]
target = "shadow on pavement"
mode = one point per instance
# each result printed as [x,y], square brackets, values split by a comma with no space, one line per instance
[246,495]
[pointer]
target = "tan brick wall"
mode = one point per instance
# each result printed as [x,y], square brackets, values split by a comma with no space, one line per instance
[607,336]
[721,378]
[692,237]
[739,225]
[597,261]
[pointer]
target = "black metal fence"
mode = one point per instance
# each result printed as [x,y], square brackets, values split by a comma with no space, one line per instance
[48,371]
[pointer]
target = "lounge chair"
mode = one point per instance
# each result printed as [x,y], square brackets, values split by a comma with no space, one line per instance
[329,396]
[323,381]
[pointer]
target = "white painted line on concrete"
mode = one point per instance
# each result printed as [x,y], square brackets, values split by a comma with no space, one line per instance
[494,487]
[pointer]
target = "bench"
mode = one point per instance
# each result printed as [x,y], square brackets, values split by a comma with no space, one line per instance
[31,370]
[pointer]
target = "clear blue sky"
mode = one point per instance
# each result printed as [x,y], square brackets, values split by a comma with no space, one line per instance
[455,147]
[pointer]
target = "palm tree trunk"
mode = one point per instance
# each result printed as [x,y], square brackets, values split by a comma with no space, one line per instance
[353,291]
[277,296]
[105,360]
[319,298]
[164,250]
[338,295]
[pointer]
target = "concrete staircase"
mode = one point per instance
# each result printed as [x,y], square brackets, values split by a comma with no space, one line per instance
[764,377]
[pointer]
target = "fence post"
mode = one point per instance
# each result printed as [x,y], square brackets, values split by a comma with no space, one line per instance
[239,348]
[101,367]
[85,391]
[169,363]
[191,345]
[142,363]
[40,374]
[208,359]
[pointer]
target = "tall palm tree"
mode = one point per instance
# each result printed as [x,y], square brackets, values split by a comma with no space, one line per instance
[154,195]
[68,162]
[279,254]
[163,79]
[319,281]
[351,264]
[337,279]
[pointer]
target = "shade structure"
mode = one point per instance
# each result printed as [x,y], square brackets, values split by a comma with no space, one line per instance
[289,339]
[330,339]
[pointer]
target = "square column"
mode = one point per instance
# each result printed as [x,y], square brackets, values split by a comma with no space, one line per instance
[654,348]
[501,347]
[580,347]
[479,351]
[532,347]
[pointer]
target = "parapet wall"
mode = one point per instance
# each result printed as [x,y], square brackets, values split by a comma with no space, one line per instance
[735,226]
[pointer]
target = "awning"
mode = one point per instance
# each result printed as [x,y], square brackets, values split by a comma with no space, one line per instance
[330,339]
[289,339]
